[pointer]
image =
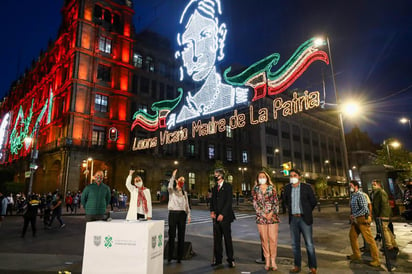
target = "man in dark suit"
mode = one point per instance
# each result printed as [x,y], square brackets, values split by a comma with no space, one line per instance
[222,214]
[300,201]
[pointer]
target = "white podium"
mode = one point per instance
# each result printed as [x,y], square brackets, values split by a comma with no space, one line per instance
[120,246]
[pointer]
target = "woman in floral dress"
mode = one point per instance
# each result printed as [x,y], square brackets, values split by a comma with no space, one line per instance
[265,202]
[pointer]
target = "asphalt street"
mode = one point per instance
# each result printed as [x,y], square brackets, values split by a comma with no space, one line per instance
[61,249]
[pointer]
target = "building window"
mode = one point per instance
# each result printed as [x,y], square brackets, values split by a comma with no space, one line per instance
[211,151]
[144,85]
[149,64]
[229,154]
[103,73]
[192,180]
[191,149]
[245,158]
[229,132]
[98,136]
[137,60]
[230,179]
[100,103]
[105,44]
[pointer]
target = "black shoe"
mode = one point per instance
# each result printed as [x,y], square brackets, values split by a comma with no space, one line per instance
[179,261]
[169,260]
[216,264]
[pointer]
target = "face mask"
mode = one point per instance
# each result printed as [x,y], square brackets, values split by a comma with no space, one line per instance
[374,187]
[180,183]
[98,179]
[262,181]
[216,178]
[294,180]
[139,184]
[352,189]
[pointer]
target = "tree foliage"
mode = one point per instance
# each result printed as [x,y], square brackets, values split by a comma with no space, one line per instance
[399,158]
[320,185]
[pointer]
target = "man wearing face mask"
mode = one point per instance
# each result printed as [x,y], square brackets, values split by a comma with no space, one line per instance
[382,210]
[300,201]
[361,221]
[140,206]
[222,215]
[95,198]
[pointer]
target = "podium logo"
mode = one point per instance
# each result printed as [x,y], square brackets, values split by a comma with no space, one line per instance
[154,241]
[160,240]
[108,241]
[97,240]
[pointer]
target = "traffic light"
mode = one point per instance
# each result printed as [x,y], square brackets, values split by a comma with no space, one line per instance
[113,134]
[286,168]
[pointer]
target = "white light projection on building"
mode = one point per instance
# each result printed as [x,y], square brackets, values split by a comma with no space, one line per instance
[4,126]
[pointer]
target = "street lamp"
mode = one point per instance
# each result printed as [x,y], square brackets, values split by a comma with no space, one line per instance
[405,120]
[394,144]
[91,168]
[243,169]
[319,42]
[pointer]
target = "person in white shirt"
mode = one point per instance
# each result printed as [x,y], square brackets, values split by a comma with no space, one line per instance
[179,211]
[140,200]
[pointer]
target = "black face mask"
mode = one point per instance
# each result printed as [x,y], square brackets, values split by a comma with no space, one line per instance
[216,178]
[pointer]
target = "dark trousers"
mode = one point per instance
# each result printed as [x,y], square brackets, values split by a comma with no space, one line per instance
[58,216]
[222,229]
[32,221]
[177,220]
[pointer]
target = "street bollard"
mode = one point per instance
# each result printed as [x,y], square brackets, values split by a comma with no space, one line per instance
[337,206]
[318,206]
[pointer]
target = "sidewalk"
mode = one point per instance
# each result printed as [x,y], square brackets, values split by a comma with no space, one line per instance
[62,249]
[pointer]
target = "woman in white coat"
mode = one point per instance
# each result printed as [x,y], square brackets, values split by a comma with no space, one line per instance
[140,205]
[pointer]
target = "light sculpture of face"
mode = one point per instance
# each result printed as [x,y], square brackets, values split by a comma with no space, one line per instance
[200,45]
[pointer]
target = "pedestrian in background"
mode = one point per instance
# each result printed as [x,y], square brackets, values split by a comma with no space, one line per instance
[222,215]
[360,224]
[300,201]
[3,207]
[10,204]
[179,211]
[140,206]
[30,215]
[69,202]
[56,210]
[382,211]
[95,198]
[265,202]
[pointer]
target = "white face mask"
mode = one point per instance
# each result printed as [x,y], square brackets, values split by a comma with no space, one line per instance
[139,184]
[352,189]
[294,180]
[262,181]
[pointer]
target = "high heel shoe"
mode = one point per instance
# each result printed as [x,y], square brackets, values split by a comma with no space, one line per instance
[267,264]
[274,265]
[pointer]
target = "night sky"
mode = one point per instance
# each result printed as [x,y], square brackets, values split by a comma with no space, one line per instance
[370,45]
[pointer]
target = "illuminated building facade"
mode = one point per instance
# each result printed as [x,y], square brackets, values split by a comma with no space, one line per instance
[77,100]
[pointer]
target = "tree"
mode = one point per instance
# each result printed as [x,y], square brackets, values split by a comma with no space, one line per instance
[358,140]
[397,157]
[321,184]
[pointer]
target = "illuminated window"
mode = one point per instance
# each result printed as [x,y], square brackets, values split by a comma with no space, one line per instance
[229,132]
[98,136]
[104,73]
[191,149]
[229,154]
[211,151]
[245,157]
[105,44]
[149,64]
[192,180]
[100,103]
[137,60]
[229,179]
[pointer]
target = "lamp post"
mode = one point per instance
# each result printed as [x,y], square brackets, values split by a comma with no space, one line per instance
[394,144]
[342,130]
[91,168]
[243,169]
[405,120]
[33,156]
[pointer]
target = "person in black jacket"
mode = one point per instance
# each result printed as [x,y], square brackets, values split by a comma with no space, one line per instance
[300,201]
[222,215]
[30,215]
